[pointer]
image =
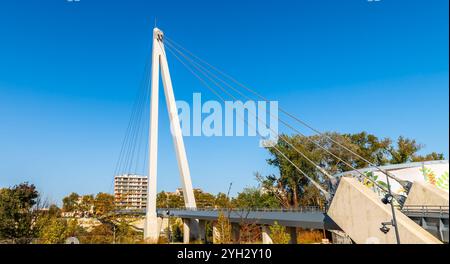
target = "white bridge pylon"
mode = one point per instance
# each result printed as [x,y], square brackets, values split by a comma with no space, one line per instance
[159,61]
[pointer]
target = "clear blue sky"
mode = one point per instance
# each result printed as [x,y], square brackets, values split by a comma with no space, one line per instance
[69,73]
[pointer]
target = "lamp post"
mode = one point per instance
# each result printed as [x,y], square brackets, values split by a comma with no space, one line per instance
[389,198]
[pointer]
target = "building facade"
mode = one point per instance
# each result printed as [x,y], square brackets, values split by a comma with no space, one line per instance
[130,191]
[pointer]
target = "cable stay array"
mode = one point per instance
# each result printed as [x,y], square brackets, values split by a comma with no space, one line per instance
[296,119]
[198,66]
[133,154]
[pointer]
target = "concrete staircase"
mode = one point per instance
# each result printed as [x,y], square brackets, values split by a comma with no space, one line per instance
[359,212]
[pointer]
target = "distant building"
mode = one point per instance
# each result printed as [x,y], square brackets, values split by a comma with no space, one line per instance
[130,191]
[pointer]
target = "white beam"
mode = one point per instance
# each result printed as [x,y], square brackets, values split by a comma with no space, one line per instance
[151,228]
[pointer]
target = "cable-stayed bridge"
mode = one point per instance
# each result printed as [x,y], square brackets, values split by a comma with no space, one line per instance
[352,208]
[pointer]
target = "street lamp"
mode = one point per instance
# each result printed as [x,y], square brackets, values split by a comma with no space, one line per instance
[388,199]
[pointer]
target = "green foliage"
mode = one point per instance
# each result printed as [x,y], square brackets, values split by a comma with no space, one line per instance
[54,232]
[70,203]
[292,189]
[103,204]
[251,198]
[176,227]
[431,156]
[101,234]
[18,213]
[204,199]
[222,201]
[222,232]
[87,203]
[125,234]
[278,234]
[54,211]
[165,200]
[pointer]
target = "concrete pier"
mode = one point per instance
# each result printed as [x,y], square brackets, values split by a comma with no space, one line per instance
[292,231]
[265,233]
[235,232]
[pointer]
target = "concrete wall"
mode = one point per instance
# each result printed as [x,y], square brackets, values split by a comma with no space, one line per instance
[359,212]
[423,193]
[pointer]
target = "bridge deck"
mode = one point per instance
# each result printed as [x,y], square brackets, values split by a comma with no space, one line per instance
[308,217]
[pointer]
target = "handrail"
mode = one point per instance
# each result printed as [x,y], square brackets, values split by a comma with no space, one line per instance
[298,209]
[426,209]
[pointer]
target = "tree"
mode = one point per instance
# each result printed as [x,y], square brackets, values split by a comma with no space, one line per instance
[278,234]
[404,151]
[222,201]
[176,227]
[252,198]
[101,234]
[54,232]
[103,204]
[54,211]
[70,203]
[162,200]
[86,204]
[222,231]
[19,210]
[427,157]
[203,199]
[290,185]
[167,200]
[125,234]
[292,189]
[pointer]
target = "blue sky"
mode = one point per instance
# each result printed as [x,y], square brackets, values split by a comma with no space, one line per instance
[69,73]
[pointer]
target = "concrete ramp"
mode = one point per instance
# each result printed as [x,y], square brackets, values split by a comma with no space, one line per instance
[359,212]
[426,194]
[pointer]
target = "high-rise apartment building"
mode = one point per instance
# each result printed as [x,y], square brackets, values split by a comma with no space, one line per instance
[130,191]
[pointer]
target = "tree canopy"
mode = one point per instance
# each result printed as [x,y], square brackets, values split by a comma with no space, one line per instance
[293,189]
[18,213]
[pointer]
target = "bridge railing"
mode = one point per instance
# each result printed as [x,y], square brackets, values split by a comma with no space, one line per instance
[303,209]
[426,210]
[298,209]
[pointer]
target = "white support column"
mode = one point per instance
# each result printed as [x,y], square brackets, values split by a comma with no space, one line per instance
[186,230]
[151,230]
[265,233]
[177,136]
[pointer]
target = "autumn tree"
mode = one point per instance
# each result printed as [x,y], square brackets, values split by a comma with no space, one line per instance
[70,202]
[278,234]
[222,201]
[252,198]
[293,189]
[204,199]
[222,230]
[103,204]
[86,204]
[54,231]
[19,211]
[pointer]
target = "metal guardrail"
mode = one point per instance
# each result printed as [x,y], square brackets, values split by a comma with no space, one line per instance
[299,209]
[426,210]
[303,209]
